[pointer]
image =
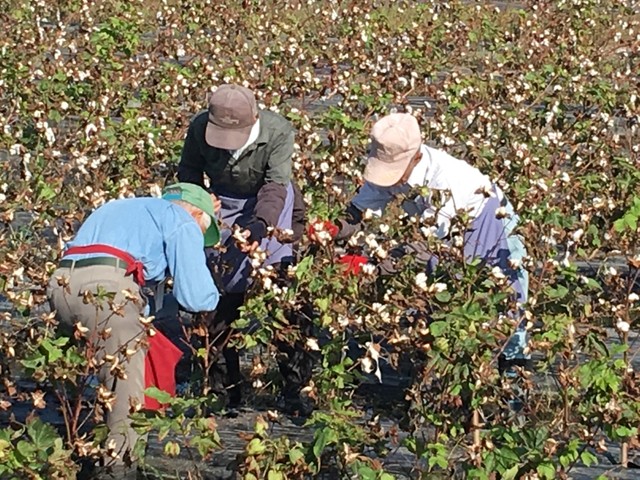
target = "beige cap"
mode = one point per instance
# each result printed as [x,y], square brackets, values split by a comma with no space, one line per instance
[232,113]
[395,139]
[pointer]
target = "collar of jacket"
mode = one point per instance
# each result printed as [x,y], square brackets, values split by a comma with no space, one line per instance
[263,136]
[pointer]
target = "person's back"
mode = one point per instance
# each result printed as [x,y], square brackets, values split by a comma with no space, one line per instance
[162,236]
[121,247]
[139,226]
[440,171]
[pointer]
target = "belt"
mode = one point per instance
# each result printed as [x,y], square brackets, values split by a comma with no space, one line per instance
[89,262]
[132,266]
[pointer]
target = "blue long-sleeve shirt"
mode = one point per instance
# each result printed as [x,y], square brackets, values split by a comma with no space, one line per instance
[164,237]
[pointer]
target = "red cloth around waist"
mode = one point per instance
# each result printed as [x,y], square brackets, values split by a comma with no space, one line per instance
[134,267]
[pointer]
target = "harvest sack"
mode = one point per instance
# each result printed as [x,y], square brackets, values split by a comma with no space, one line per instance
[160,368]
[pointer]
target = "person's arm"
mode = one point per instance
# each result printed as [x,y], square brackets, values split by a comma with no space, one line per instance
[349,224]
[193,286]
[191,166]
[369,197]
[420,252]
[273,194]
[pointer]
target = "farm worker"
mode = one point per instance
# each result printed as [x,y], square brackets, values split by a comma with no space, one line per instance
[399,161]
[246,153]
[121,247]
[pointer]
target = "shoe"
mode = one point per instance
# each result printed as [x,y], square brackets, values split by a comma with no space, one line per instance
[234,399]
[297,406]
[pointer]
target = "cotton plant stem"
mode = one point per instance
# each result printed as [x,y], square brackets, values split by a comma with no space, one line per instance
[624,446]
[475,423]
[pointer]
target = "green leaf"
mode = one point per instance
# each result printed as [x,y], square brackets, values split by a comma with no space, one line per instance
[26,450]
[365,472]
[322,304]
[438,328]
[588,458]
[255,447]
[443,297]
[558,293]
[624,432]
[172,449]
[275,475]
[546,471]
[100,433]
[619,225]
[160,395]
[295,455]
[510,474]
[53,351]
[323,437]
[34,362]
[42,434]
[303,267]
[59,341]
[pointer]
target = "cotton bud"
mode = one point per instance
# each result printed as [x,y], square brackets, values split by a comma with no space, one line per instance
[622,326]
[496,272]
[438,287]
[238,235]
[147,320]
[155,191]
[381,253]
[81,328]
[355,239]
[515,263]
[428,232]
[421,281]
[368,269]
[377,307]
[291,271]
[312,344]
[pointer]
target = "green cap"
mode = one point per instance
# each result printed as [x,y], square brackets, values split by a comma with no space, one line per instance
[198,197]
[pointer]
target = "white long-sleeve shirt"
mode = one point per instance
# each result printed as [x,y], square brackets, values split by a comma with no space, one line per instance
[461,184]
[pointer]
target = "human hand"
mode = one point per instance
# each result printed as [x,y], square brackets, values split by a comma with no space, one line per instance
[247,247]
[217,203]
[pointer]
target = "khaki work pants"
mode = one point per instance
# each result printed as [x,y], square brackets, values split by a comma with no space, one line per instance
[126,333]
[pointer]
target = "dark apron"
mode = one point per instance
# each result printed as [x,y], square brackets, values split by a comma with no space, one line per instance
[234,265]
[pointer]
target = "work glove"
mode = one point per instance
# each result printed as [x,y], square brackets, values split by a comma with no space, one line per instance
[353,263]
[322,231]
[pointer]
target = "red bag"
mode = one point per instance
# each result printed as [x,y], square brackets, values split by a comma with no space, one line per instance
[160,368]
[354,263]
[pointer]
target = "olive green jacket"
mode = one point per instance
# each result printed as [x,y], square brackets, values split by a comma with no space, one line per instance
[263,169]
